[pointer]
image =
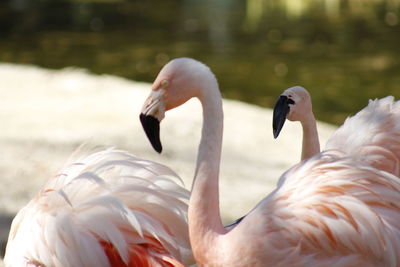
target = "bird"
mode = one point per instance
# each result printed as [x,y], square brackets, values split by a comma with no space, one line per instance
[373,134]
[328,210]
[295,104]
[109,208]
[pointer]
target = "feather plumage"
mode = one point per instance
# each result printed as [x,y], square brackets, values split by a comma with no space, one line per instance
[108,209]
[373,134]
[327,211]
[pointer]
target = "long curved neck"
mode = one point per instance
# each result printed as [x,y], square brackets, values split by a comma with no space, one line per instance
[204,216]
[310,138]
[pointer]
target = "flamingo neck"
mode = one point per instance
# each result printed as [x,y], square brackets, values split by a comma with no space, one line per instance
[204,216]
[310,145]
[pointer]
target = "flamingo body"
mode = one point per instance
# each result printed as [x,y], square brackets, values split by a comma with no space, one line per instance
[373,134]
[327,211]
[108,209]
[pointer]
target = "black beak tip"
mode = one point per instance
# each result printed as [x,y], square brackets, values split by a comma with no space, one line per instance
[276,133]
[157,148]
[151,127]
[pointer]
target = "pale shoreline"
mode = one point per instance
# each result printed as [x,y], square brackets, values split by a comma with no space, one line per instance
[47,114]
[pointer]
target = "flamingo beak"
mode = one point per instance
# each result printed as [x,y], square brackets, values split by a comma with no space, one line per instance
[281,110]
[152,113]
[151,127]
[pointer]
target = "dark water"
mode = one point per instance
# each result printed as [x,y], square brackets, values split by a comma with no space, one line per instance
[344,52]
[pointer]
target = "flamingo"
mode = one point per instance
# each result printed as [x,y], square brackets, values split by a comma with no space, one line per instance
[328,210]
[107,209]
[378,145]
[295,104]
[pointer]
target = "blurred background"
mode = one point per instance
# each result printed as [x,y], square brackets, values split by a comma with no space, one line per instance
[343,51]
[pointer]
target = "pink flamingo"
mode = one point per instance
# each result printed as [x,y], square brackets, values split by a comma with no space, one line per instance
[329,210]
[108,209]
[379,144]
[295,104]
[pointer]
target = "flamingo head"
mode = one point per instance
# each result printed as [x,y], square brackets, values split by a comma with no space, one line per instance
[293,104]
[178,81]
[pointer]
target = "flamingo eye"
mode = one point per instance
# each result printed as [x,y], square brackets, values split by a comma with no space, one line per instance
[164,83]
